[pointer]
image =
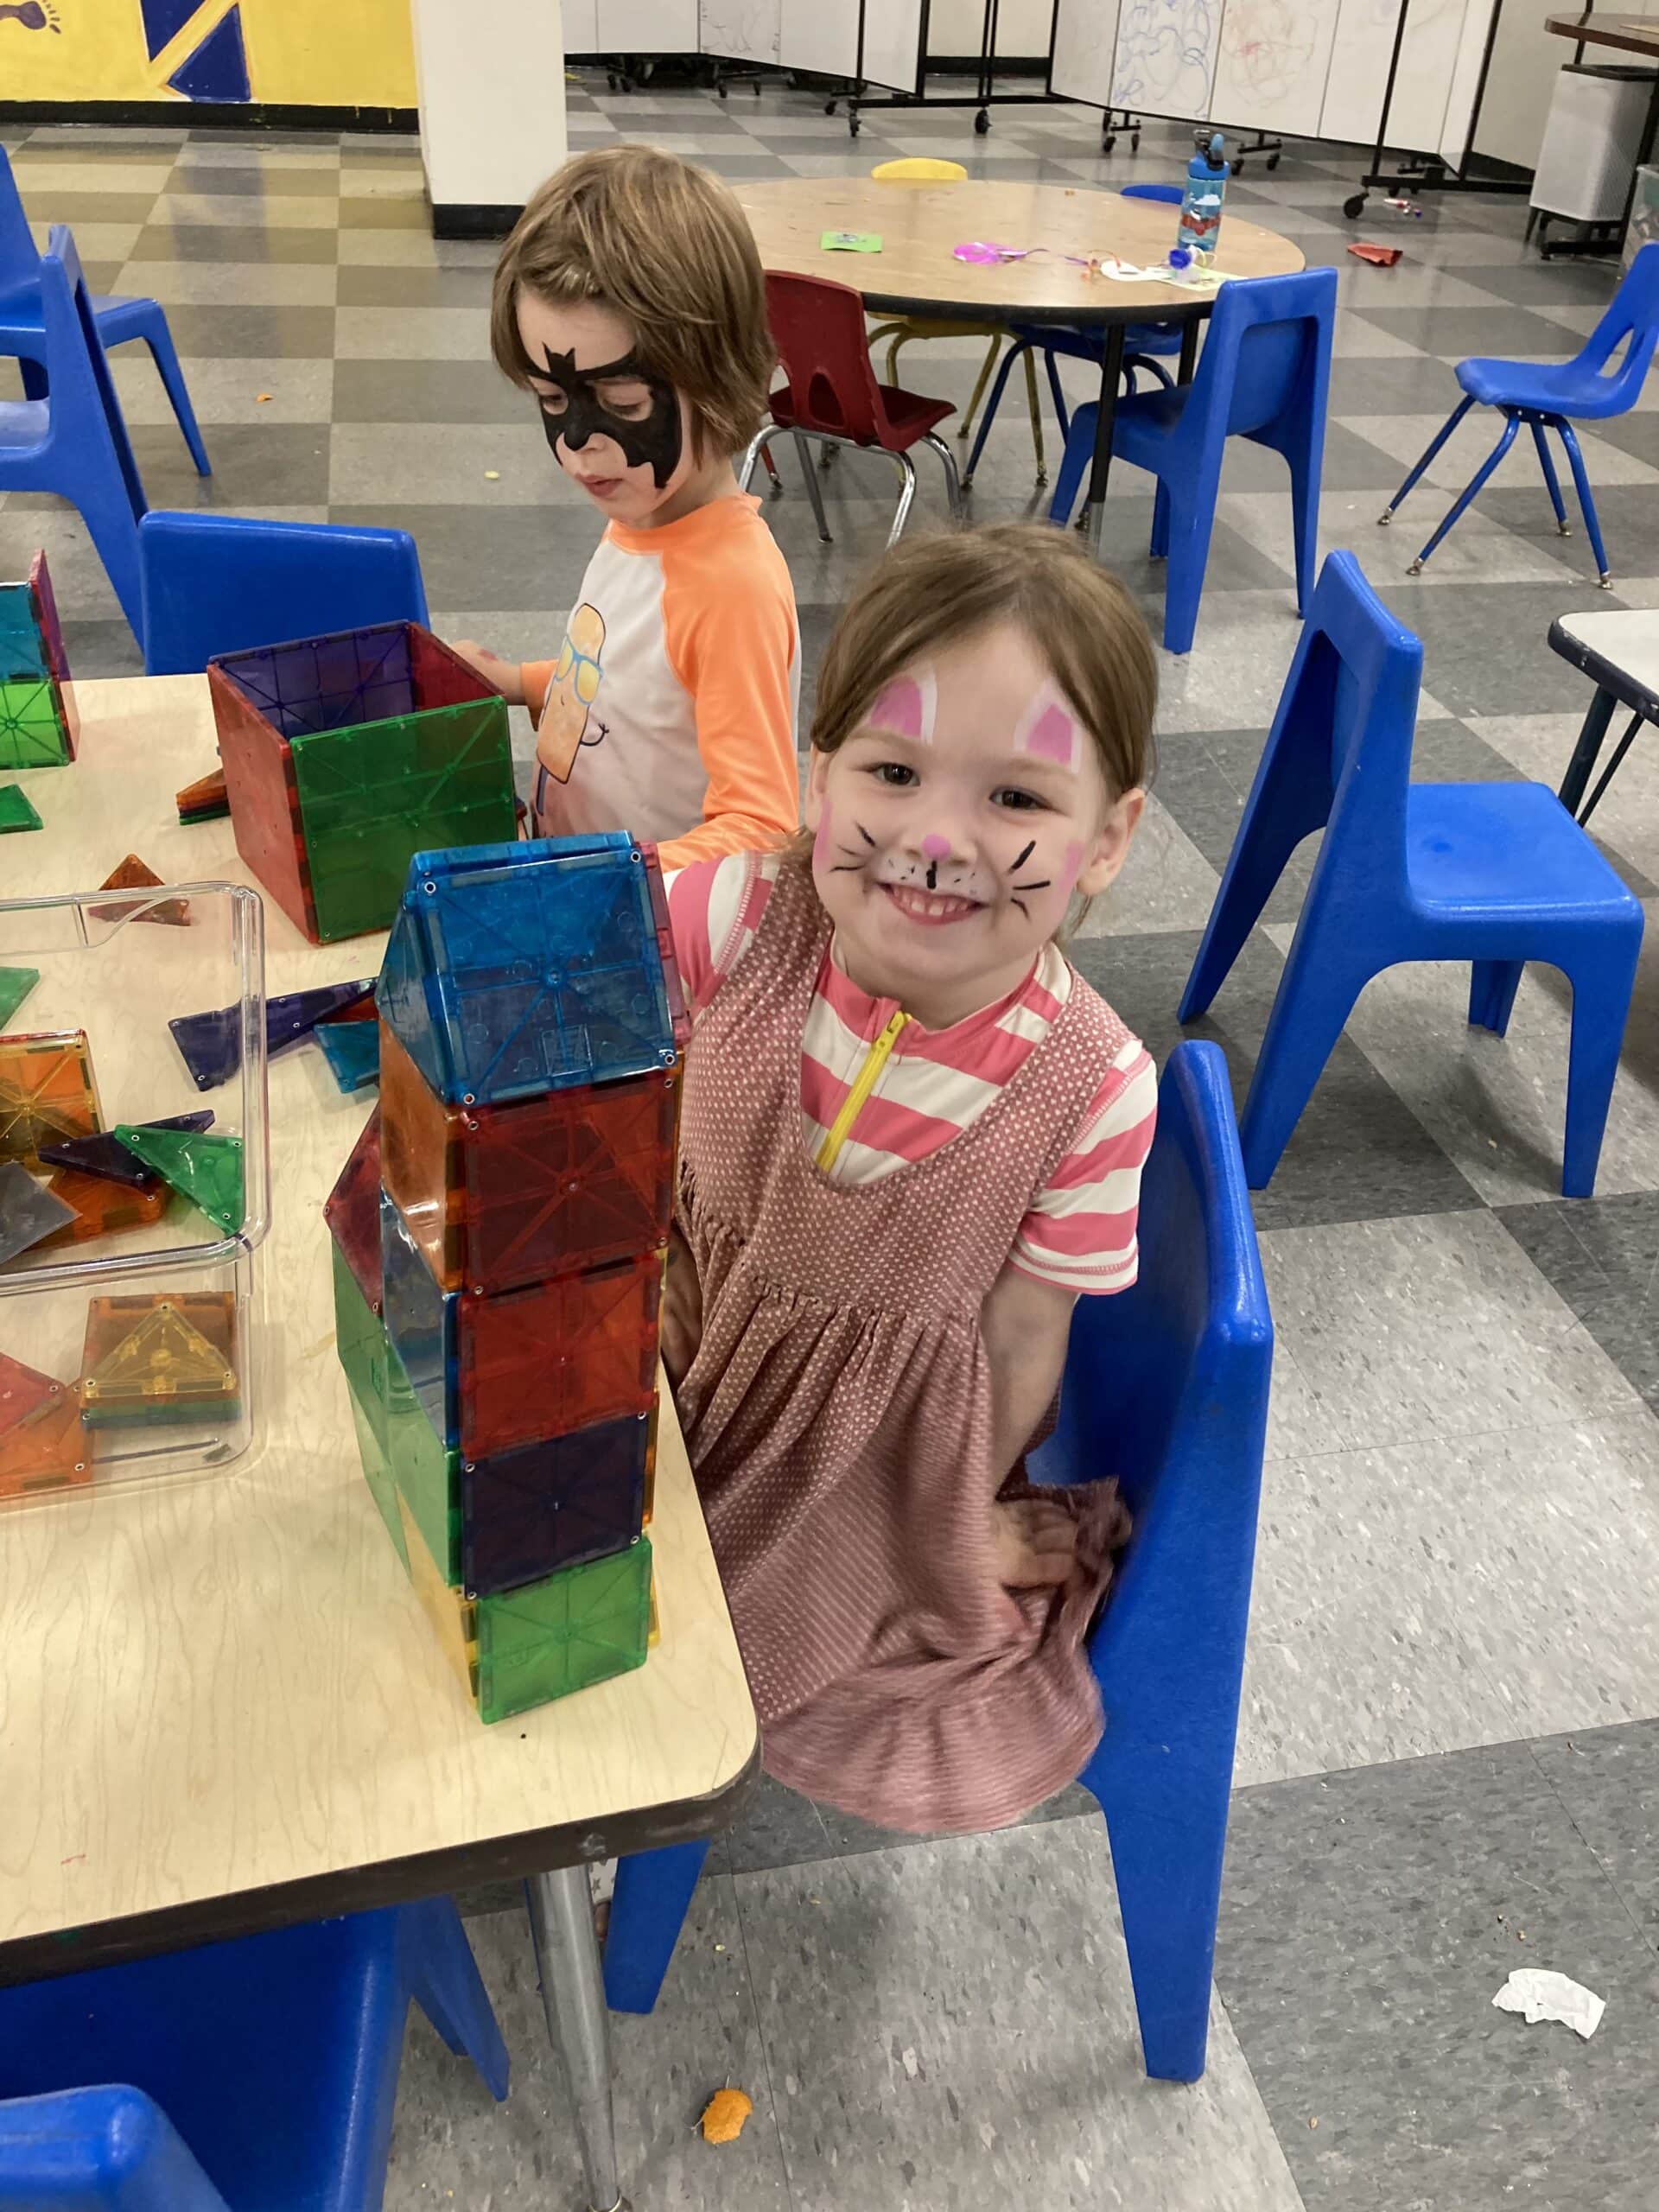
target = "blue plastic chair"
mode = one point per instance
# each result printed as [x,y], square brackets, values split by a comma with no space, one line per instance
[22,319]
[223,583]
[274,2056]
[104,2149]
[1550,396]
[1494,873]
[1142,343]
[1264,374]
[1165,1388]
[75,441]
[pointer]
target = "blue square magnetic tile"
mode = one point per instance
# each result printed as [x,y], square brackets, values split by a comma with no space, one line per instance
[23,649]
[352,1051]
[421,1320]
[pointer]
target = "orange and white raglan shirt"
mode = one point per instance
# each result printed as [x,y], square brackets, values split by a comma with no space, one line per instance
[670,711]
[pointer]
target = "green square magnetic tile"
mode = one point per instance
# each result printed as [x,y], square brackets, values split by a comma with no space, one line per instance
[576,1627]
[170,1413]
[358,1338]
[373,795]
[15,984]
[15,811]
[23,649]
[377,1472]
[31,730]
[415,1461]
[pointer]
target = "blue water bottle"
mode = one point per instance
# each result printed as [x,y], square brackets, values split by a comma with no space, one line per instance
[1206,184]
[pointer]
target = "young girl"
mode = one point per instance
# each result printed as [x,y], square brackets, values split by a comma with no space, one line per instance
[629,302]
[913,1135]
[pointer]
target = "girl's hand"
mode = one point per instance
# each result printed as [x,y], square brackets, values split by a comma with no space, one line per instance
[503,674]
[1034,1543]
[681,1330]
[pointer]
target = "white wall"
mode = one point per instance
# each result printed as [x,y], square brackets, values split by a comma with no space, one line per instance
[491,80]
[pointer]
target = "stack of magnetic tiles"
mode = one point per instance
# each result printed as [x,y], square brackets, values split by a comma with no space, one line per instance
[499,1233]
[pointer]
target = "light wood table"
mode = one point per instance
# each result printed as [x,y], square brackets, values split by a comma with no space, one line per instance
[221,1706]
[917,273]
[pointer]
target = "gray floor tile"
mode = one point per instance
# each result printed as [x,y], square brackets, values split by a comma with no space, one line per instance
[969,2039]
[1602,1257]
[401,392]
[220,284]
[452,2143]
[252,333]
[383,211]
[261,179]
[419,334]
[1608,1781]
[1368,2008]
[1484,645]
[1454,333]
[1547,284]
[372,287]
[227,391]
[519,558]
[479,465]
[251,461]
[1629,527]
[167,241]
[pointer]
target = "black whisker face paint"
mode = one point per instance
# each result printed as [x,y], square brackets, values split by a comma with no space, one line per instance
[1044,885]
[1023,858]
[863,833]
[654,442]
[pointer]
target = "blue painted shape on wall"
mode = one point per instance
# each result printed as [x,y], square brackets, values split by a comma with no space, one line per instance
[218,70]
[165,19]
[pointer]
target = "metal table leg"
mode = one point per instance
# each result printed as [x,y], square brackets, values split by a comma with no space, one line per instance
[1111,370]
[573,1997]
[1189,351]
[1584,752]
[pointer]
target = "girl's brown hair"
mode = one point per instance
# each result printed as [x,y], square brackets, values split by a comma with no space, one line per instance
[668,248]
[928,592]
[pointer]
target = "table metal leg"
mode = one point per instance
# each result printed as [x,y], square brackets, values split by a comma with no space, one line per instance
[1110,371]
[1584,752]
[573,1997]
[1610,770]
[1189,351]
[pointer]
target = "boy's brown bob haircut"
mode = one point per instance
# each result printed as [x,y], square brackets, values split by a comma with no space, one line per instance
[929,592]
[667,247]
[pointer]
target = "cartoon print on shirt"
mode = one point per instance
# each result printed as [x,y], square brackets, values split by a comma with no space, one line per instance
[568,720]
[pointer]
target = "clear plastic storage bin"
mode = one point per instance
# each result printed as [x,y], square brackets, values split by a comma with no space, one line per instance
[124,1345]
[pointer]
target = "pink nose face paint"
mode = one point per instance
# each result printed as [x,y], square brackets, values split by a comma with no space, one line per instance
[1049,731]
[936,849]
[906,707]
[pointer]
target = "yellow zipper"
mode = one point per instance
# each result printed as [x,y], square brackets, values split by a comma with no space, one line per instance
[853,1105]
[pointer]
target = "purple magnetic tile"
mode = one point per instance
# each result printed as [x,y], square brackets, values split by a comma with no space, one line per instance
[107,1156]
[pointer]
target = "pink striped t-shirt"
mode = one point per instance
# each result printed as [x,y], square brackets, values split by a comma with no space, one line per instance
[931,1083]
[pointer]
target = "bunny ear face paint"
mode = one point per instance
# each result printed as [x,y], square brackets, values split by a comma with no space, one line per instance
[1050,731]
[907,708]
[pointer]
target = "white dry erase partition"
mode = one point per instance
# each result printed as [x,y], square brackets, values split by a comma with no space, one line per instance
[492,92]
[820,36]
[1314,68]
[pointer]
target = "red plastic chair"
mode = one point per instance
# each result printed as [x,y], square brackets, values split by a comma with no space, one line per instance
[832,395]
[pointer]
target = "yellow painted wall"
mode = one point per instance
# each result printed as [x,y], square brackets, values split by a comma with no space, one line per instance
[306,52]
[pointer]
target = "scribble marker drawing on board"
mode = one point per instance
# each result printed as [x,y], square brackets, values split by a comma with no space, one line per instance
[1165,54]
[1270,46]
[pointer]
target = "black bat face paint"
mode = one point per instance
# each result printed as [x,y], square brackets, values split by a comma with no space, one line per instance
[653,442]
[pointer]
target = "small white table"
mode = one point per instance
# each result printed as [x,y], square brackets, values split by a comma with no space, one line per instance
[1618,651]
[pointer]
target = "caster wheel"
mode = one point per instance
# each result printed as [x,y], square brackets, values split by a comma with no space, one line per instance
[1107,144]
[828,107]
[1135,141]
[981,124]
[610,79]
[1238,166]
[1354,207]
[720,89]
[755,88]
[854,126]
[1273,161]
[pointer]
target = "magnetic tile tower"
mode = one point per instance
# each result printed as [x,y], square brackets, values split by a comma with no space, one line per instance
[37,713]
[499,1238]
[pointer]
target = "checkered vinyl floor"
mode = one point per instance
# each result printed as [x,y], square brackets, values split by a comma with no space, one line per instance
[1449,1757]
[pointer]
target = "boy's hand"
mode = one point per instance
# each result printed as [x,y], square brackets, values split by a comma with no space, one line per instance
[681,1328]
[503,674]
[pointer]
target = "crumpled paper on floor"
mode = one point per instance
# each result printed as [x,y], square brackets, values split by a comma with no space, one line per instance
[1538,1994]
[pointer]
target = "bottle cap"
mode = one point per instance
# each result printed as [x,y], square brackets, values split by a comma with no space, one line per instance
[1179,257]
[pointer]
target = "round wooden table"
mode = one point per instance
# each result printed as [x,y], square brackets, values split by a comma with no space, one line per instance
[917,273]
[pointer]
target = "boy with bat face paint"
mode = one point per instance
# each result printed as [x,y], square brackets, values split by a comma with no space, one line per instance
[629,302]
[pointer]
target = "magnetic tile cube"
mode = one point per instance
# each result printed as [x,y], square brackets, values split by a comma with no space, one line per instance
[47,1449]
[159,1358]
[526,1512]
[37,710]
[46,1092]
[344,756]
[514,1366]
[352,1211]
[517,969]
[424,1474]
[500,1195]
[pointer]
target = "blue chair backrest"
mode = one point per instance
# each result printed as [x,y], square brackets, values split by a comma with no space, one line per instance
[221,583]
[79,383]
[1633,312]
[1171,194]
[20,263]
[103,2150]
[1174,1372]
[1266,364]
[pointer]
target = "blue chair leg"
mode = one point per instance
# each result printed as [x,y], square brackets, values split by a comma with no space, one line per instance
[1284,807]
[159,338]
[1431,449]
[653,1895]
[1159,548]
[1074,462]
[33,376]
[1056,392]
[1511,425]
[1305,461]
[1004,369]
[1546,462]
[1491,995]
[444,1980]
[1188,542]
[1587,497]
[1602,984]
[1314,1000]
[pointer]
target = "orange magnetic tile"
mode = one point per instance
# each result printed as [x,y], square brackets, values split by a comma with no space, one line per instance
[102,1207]
[48,1449]
[23,1390]
[206,792]
[135,875]
[46,1092]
